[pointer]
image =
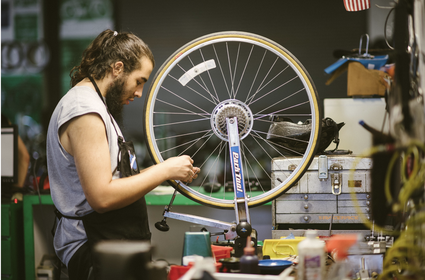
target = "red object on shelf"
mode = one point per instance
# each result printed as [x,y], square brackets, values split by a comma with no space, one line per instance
[221,252]
[177,271]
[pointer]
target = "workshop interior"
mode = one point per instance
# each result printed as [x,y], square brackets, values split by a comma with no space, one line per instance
[306,119]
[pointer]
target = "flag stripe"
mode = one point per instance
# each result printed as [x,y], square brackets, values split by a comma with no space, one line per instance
[356,5]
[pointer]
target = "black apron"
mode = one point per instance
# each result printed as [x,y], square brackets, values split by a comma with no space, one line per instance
[128,223]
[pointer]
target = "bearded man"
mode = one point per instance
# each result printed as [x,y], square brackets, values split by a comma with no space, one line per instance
[97,193]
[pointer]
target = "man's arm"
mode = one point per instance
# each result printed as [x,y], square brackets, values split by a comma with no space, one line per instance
[23,163]
[85,139]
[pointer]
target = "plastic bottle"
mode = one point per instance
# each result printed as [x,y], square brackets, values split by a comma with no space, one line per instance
[312,257]
[249,261]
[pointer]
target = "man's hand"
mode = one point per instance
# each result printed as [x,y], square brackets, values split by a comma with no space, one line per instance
[181,168]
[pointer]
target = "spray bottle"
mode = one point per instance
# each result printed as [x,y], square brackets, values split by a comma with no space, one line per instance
[312,257]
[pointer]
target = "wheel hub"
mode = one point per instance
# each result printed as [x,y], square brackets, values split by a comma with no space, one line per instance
[229,109]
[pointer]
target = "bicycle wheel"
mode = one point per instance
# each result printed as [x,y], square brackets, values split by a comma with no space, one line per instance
[230,74]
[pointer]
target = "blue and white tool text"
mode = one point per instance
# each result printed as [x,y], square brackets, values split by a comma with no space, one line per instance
[238,181]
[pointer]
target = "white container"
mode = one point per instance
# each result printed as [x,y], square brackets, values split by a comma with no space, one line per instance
[312,257]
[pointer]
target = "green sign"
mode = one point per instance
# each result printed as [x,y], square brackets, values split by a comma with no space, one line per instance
[26,27]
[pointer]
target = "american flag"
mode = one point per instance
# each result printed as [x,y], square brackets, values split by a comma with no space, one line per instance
[356,5]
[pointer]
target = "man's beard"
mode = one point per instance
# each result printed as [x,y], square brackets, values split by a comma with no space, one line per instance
[114,99]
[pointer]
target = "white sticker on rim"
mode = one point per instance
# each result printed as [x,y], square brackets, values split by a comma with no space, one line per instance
[196,70]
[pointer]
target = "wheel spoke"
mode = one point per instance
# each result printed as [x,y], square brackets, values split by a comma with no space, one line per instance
[256,160]
[272,79]
[222,74]
[272,145]
[182,135]
[281,136]
[278,102]
[209,76]
[204,115]
[244,69]
[221,146]
[187,101]
[253,172]
[194,154]
[260,87]
[192,142]
[259,117]
[287,82]
[281,110]
[181,122]
[255,78]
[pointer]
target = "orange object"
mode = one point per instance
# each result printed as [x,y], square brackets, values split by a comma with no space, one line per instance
[391,71]
[339,244]
[221,252]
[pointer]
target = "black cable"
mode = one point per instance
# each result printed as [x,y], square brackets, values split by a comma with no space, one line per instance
[385,29]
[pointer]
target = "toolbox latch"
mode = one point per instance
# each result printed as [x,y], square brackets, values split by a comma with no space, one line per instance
[336,167]
[336,178]
[291,168]
[336,183]
[323,167]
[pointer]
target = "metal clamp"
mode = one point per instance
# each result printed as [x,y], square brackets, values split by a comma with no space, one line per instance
[323,167]
[336,179]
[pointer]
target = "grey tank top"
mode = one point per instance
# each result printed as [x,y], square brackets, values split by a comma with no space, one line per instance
[66,191]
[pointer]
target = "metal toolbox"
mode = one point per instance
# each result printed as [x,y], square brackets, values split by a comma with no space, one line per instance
[323,194]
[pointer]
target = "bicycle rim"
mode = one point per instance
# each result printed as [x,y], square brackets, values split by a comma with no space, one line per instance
[240,72]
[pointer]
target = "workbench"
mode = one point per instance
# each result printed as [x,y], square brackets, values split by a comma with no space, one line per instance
[30,200]
[154,198]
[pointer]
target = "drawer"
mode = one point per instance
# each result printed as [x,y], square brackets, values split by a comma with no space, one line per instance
[318,218]
[350,203]
[317,206]
[352,210]
[305,197]
[359,196]
[280,176]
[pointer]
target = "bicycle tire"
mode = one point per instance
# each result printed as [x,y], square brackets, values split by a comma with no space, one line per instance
[226,42]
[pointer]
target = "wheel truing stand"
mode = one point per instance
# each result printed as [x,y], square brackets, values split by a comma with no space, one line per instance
[231,121]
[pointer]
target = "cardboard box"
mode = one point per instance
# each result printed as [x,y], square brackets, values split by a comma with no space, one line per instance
[365,82]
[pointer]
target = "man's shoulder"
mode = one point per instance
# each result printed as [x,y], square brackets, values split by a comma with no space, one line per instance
[83,96]
[78,101]
[81,92]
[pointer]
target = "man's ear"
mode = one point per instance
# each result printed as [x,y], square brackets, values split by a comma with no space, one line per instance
[117,68]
